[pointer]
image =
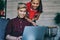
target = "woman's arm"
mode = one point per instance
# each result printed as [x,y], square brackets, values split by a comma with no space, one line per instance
[37,16]
[31,21]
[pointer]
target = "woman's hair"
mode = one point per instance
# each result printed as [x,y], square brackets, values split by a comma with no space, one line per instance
[40,9]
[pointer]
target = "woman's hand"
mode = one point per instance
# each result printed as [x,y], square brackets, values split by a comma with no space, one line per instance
[34,23]
[31,21]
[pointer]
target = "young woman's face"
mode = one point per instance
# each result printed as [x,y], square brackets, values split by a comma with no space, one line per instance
[34,4]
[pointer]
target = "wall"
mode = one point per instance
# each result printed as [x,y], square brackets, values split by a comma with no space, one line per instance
[50,8]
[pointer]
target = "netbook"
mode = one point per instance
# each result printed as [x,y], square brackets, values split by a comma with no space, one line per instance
[34,33]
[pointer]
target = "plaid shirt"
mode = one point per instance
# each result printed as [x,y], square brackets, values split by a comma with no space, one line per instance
[16,26]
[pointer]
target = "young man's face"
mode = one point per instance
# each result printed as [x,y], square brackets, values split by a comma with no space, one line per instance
[34,4]
[22,12]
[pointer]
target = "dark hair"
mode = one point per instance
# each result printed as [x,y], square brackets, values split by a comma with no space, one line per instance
[19,5]
[40,9]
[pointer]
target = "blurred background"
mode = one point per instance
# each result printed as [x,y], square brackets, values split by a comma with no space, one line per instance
[50,8]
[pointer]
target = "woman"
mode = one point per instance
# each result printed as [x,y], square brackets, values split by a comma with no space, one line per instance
[34,8]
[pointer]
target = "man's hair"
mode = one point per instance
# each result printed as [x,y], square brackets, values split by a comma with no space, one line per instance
[21,5]
[32,0]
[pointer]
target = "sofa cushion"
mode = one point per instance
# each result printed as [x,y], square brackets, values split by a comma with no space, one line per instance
[3,24]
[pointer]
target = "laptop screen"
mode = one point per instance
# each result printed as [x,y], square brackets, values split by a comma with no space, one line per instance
[34,33]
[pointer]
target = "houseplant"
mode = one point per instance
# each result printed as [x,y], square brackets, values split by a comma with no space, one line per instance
[57,22]
[57,19]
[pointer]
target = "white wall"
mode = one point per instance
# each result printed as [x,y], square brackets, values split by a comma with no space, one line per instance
[50,7]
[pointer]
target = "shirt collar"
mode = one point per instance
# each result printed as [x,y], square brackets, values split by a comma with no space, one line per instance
[20,18]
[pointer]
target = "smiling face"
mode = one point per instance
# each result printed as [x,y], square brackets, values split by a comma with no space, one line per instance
[35,4]
[21,11]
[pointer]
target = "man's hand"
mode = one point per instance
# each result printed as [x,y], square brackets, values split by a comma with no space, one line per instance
[9,37]
[19,38]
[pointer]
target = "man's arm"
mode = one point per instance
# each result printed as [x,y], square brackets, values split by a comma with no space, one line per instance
[8,31]
[8,37]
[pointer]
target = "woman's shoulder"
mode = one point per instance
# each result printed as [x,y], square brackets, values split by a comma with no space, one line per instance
[28,4]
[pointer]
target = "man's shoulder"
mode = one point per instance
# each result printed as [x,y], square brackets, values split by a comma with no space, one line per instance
[13,19]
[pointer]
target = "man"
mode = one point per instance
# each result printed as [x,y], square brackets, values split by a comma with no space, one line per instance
[15,27]
[34,9]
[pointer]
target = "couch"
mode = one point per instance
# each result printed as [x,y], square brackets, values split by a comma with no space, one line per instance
[3,24]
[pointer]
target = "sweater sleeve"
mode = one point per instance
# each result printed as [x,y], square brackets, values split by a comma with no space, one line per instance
[9,28]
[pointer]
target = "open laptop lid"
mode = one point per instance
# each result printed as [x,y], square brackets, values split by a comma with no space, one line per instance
[34,33]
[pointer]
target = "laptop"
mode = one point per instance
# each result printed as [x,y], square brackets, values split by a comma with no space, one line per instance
[34,33]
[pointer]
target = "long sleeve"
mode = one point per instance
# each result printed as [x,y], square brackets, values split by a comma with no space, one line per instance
[9,28]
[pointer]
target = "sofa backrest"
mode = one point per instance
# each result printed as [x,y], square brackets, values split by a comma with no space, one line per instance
[34,33]
[3,24]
